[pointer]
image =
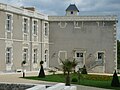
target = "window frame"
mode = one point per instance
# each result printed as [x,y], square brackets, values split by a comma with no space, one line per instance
[103,53]
[35,27]
[46,29]
[25,25]
[25,54]
[46,54]
[83,56]
[59,61]
[9,55]
[72,12]
[9,22]
[35,51]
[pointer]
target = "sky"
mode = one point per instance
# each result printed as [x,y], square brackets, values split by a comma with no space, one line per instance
[86,7]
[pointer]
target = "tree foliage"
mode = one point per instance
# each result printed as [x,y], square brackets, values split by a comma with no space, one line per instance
[115,80]
[41,73]
[118,54]
[68,65]
[23,62]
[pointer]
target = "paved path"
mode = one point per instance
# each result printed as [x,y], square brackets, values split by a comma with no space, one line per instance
[14,78]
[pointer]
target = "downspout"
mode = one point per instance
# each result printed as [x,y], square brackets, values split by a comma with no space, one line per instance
[41,38]
[30,43]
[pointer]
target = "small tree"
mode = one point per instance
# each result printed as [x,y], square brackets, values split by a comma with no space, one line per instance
[67,66]
[115,80]
[84,71]
[79,75]
[74,64]
[41,73]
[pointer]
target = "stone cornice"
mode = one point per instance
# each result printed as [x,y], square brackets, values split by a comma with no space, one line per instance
[83,18]
[21,11]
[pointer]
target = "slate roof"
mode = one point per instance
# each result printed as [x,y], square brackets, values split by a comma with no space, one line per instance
[72,7]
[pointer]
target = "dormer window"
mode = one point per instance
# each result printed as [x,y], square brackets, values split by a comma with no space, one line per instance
[71,12]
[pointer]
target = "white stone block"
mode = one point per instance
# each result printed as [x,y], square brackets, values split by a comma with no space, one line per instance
[66,88]
[38,87]
[73,88]
[59,86]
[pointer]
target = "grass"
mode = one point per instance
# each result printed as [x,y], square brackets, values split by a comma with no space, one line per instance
[100,81]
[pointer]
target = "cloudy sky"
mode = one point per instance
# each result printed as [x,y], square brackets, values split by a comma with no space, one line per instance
[86,7]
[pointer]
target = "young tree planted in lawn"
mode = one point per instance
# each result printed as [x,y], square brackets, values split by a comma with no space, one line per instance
[41,73]
[115,80]
[67,66]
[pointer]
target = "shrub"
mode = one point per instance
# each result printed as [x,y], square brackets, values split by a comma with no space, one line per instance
[74,80]
[41,62]
[84,71]
[52,71]
[41,73]
[23,63]
[115,80]
[96,77]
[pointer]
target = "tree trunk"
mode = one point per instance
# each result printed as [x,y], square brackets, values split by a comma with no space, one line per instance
[68,79]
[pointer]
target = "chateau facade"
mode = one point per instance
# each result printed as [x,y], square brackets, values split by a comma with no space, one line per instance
[24,36]
[91,40]
[27,35]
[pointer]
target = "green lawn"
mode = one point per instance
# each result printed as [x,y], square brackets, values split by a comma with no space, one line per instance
[87,80]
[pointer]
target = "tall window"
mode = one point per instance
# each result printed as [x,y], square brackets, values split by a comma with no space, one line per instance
[35,27]
[62,55]
[100,56]
[78,55]
[46,55]
[8,55]
[25,25]
[9,22]
[35,56]
[46,29]
[25,55]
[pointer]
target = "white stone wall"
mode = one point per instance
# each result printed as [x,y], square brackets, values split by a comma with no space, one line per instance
[18,40]
[86,34]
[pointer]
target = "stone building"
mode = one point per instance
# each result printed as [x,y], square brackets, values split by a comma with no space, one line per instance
[27,35]
[91,40]
[24,36]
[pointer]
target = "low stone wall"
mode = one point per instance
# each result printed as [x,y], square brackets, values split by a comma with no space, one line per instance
[38,87]
[59,86]
[4,86]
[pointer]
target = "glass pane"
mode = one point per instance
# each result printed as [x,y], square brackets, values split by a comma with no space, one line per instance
[78,54]
[100,55]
